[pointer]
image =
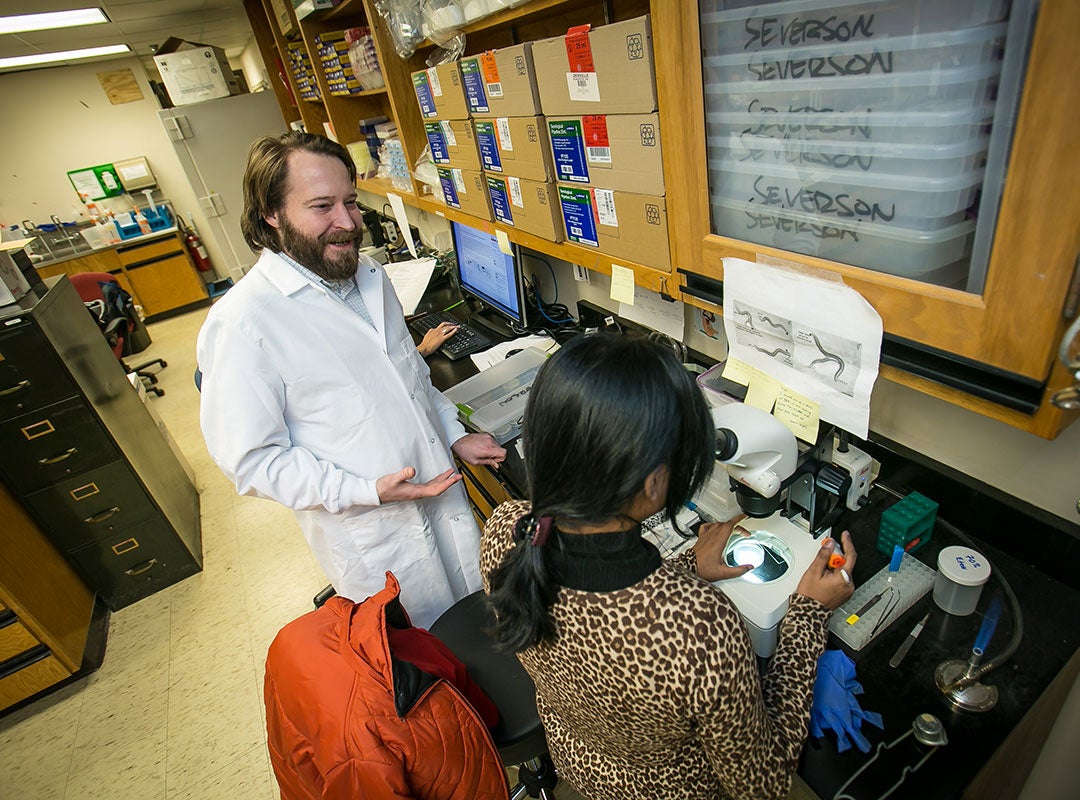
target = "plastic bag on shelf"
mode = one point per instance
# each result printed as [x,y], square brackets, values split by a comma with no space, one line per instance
[405,23]
[363,59]
[442,19]
[427,174]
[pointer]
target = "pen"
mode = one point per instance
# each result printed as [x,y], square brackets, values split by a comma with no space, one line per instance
[908,642]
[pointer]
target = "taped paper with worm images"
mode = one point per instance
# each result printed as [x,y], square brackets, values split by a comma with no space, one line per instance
[816,335]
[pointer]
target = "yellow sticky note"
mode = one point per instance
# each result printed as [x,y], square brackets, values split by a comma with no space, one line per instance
[504,241]
[738,371]
[622,284]
[799,413]
[762,391]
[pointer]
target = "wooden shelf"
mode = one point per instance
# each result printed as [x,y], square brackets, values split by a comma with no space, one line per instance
[510,16]
[384,185]
[657,280]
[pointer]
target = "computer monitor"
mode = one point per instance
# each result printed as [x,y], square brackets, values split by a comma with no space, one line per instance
[489,275]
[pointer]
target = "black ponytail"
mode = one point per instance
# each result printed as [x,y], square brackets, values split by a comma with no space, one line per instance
[523,588]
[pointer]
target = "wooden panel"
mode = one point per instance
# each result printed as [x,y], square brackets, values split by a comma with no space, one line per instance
[31,680]
[15,639]
[39,586]
[165,285]
[144,252]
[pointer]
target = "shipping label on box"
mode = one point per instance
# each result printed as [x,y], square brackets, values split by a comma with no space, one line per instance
[453,143]
[529,206]
[465,189]
[501,83]
[616,151]
[605,70]
[515,146]
[621,224]
[439,92]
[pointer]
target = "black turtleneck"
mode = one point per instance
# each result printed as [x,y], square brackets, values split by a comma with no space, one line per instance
[601,562]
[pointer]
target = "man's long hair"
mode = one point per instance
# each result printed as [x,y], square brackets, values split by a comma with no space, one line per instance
[265,179]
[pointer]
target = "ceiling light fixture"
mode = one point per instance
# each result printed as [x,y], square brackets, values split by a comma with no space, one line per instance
[55,19]
[66,55]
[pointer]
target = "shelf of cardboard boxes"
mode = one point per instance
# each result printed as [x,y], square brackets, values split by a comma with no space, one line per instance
[498,156]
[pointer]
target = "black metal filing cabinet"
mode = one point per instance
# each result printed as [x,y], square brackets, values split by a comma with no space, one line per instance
[85,456]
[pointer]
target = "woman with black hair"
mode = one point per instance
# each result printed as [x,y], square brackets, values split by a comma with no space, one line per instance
[646,680]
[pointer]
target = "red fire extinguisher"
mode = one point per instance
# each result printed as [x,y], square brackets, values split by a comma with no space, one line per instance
[198,250]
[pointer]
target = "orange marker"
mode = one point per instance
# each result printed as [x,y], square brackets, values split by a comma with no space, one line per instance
[836,560]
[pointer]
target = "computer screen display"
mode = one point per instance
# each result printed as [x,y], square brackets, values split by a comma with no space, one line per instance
[489,274]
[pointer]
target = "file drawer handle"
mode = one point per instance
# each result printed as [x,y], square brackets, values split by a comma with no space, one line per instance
[101,516]
[57,459]
[18,387]
[139,569]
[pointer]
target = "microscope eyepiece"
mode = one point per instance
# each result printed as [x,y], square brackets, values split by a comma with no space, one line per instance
[727,444]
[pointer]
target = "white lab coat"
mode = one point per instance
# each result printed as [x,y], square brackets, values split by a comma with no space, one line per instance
[304,403]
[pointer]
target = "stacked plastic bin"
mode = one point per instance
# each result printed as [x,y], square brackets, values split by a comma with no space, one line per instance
[854,130]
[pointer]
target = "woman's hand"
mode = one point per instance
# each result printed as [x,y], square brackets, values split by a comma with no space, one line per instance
[436,338]
[709,549]
[830,587]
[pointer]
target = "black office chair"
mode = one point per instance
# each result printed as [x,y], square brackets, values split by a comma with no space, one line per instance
[114,311]
[519,736]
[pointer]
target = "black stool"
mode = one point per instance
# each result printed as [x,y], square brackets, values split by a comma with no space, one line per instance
[519,735]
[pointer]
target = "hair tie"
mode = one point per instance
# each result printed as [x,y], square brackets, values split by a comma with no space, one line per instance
[543,531]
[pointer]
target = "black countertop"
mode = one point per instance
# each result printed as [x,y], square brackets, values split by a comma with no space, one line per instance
[1033,550]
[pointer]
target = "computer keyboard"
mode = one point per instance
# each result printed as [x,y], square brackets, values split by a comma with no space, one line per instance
[465,342]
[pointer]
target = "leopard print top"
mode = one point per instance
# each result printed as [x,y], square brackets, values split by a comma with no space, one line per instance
[653,691]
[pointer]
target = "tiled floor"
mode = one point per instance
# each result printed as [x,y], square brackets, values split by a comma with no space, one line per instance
[176,709]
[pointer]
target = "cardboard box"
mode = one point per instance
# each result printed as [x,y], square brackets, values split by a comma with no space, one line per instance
[501,83]
[608,70]
[194,72]
[530,206]
[465,189]
[439,92]
[616,151]
[453,143]
[515,146]
[620,224]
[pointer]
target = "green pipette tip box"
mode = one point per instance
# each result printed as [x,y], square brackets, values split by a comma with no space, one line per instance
[910,520]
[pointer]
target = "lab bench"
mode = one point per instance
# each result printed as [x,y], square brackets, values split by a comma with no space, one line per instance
[154,268]
[1033,550]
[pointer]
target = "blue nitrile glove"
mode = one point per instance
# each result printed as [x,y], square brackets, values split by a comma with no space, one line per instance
[835,706]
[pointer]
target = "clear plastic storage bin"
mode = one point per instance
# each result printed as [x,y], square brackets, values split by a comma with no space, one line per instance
[895,127]
[907,202]
[736,26]
[853,60]
[873,159]
[924,255]
[953,90]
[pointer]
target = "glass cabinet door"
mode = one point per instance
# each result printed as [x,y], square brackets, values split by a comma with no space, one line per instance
[873,133]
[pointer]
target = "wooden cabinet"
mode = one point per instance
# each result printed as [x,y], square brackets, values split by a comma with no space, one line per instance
[158,274]
[991,351]
[82,453]
[45,609]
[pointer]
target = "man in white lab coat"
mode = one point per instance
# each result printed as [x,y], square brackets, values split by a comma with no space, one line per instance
[313,393]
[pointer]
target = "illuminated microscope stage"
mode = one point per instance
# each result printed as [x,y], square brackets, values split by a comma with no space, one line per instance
[782,552]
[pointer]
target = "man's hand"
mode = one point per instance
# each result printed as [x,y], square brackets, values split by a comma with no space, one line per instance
[392,488]
[436,338]
[709,549]
[478,449]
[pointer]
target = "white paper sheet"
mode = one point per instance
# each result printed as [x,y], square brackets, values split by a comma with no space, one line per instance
[410,280]
[653,311]
[819,337]
[493,355]
[398,205]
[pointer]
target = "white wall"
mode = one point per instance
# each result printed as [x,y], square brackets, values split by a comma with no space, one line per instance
[251,63]
[60,119]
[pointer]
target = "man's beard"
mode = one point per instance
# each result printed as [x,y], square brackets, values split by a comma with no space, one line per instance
[311,251]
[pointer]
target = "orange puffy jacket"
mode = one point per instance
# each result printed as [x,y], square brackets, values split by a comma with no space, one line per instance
[346,719]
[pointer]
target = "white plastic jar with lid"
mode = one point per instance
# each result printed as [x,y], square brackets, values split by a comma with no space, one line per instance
[961,575]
